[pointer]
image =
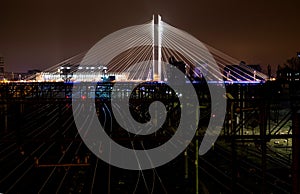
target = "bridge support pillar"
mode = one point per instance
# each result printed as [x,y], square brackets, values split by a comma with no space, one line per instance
[19,127]
[196,163]
[186,165]
[263,130]
[156,48]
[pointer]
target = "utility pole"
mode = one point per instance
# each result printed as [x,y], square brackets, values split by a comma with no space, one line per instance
[294,97]
[296,154]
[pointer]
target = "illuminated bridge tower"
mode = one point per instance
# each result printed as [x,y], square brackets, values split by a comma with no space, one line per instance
[157,32]
[1,67]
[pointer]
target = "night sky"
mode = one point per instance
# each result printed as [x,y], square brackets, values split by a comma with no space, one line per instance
[37,34]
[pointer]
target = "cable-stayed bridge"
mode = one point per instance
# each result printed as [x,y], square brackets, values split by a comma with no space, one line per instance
[44,145]
[143,52]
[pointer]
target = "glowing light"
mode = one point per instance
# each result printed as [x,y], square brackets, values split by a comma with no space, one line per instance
[157,38]
[159,28]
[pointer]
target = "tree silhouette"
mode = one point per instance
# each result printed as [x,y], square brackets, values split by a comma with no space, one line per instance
[294,63]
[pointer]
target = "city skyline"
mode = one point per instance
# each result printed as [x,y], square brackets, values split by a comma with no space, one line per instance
[37,35]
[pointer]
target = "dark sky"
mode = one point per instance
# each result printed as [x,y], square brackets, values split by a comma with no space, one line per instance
[39,34]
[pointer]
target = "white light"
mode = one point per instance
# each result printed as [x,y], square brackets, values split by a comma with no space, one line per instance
[156,68]
[159,47]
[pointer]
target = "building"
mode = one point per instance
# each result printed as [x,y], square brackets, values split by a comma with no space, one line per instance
[1,67]
[287,74]
[75,73]
[13,76]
